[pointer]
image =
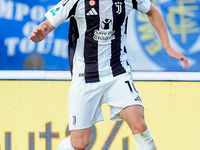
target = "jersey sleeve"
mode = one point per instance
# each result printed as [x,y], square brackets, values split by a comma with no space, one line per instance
[143,5]
[60,12]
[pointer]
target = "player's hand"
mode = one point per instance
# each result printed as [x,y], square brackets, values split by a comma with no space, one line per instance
[175,54]
[38,34]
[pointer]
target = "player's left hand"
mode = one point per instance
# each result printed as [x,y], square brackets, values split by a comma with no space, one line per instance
[175,54]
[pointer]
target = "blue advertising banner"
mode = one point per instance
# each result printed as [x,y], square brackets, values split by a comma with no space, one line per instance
[146,52]
[19,17]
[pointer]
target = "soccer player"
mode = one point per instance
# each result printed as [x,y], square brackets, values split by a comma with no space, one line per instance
[100,71]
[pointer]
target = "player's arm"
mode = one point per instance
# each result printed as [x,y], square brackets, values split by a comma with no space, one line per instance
[41,31]
[158,23]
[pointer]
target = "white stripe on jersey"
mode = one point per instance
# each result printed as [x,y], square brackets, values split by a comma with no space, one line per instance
[106,12]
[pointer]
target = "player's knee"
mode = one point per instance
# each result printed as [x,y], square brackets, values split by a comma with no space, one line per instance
[80,143]
[139,126]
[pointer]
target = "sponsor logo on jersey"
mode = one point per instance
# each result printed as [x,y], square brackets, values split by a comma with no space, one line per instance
[106,24]
[182,20]
[92,2]
[106,32]
[138,99]
[54,11]
[92,12]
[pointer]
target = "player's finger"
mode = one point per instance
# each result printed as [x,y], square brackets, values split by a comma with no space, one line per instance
[184,64]
[33,34]
[31,37]
[183,60]
[187,63]
[36,30]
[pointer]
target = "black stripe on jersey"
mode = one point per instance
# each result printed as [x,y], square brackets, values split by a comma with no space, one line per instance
[118,19]
[126,52]
[72,11]
[125,49]
[90,45]
[72,36]
[126,25]
[135,3]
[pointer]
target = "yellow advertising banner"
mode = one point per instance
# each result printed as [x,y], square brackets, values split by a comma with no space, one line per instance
[33,116]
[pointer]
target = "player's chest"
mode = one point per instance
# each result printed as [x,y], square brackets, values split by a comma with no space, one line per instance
[101,9]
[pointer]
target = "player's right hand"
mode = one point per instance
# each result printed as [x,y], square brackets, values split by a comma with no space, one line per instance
[38,34]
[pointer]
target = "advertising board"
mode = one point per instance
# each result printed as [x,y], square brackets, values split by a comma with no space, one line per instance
[34,116]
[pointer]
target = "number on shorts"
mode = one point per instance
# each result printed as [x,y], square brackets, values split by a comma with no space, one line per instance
[129,85]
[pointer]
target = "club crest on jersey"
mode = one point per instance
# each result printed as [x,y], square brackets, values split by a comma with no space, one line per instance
[92,2]
[119,7]
[74,120]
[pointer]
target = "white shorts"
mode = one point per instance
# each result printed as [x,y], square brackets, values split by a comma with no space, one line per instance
[85,100]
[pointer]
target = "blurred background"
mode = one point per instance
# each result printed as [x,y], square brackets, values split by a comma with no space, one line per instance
[19,17]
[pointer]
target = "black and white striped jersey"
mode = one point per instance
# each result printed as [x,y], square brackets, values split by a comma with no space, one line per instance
[101,25]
